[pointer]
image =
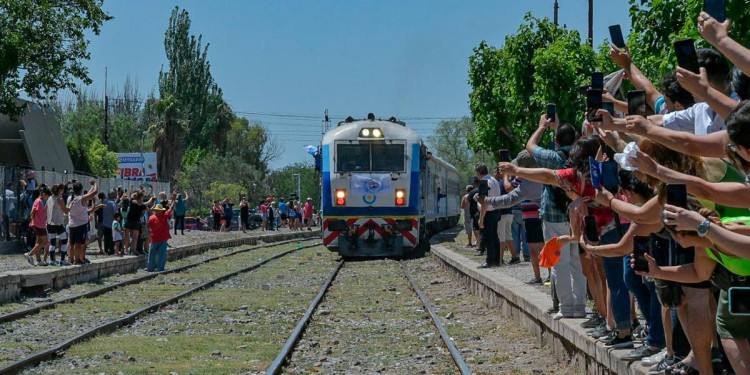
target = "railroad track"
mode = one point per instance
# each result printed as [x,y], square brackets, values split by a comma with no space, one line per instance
[131,316]
[282,359]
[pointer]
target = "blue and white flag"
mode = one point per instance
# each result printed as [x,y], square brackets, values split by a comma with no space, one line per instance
[371,183]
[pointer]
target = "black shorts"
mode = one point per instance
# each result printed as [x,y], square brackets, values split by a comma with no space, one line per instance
[534,231]
[78,235]
[283,216]
[133,225]
[55,229]
[475,222]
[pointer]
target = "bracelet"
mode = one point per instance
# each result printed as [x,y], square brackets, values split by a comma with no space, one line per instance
[610,201]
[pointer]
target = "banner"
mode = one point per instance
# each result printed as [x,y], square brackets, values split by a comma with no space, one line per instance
[137,166]
[370,183]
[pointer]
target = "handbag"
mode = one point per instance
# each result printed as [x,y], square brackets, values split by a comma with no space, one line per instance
[669,292]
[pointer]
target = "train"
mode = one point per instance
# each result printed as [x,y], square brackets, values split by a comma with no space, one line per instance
[383,192]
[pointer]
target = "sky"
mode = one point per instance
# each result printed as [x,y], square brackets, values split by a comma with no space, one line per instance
[284,62]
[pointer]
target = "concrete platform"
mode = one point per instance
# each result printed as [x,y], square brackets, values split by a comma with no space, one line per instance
[36,280]
[527,306]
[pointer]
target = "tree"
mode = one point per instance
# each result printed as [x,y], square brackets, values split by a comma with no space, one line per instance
[43,46]
[101,161]
[449,142]
[541,63]
[252,143]
[282,182]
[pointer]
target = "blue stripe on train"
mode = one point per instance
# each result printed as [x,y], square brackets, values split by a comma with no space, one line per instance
[330,210]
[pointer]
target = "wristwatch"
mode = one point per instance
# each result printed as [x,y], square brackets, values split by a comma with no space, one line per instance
[703,227]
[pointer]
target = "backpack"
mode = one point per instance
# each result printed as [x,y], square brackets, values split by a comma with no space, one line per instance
[559,199]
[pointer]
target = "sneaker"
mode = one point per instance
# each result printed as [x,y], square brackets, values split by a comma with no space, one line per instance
[54,263]
[515,260]
[617,342]
[546,280]
[42,264]
[640,333]
[661,367]
[601,332]
[553,310]
[560,315]
[65,263]
[593,322]
[654,359]
[641,352]
[29,258]
[533,281]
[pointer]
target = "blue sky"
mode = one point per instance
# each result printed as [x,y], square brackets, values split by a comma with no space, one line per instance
[407,59]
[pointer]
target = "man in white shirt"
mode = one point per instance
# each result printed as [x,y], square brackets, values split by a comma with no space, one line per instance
[489,217]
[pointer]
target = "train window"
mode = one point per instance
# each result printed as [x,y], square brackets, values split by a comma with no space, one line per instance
[387,158]
[352,158]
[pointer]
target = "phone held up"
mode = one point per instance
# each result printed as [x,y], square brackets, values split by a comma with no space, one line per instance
[504,155]
[484,188]
[551,111]
[640,247]
[677,195]
[717,9]
[594,103]
[592,232]
[739,300]
[687,58]
[637,103]
[615,34]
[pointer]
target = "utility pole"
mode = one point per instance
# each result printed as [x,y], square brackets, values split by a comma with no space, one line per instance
[299,192]
[326,121]
[106,109]
[591,23]
[556,9]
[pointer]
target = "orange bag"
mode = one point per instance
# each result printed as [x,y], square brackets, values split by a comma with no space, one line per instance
[550,253]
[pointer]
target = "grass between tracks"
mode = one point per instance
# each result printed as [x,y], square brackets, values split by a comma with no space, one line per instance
[234,327]
[54,326]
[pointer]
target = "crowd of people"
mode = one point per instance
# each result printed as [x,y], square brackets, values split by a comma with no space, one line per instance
[65,219]
[293,215]
[647,206]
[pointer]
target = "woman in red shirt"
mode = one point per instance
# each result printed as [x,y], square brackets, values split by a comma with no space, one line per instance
[39,224]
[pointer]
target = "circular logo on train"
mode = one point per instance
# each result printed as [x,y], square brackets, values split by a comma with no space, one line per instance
[369,198]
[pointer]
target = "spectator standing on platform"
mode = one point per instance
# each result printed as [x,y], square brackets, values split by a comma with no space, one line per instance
[228,213]
[108,212]
[282,213]
[264,213]
[78,220]
[244,214]
[307,213]
[116,227]
[489,217]
[39,225]
[180,209]
[56,210]
[467,216]
[217,211]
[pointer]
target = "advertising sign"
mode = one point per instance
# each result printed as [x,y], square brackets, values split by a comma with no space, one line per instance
[137,166]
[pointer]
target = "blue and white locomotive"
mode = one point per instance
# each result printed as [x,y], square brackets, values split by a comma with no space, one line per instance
[383,193]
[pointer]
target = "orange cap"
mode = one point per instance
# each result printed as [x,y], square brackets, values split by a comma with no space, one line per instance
[550,253]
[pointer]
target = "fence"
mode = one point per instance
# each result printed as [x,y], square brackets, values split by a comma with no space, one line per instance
[15,204]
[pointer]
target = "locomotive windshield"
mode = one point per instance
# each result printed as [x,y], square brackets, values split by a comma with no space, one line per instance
[370,157]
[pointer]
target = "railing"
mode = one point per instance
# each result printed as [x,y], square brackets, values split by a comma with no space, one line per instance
[15,204]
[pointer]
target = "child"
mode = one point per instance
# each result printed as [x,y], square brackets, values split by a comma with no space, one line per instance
[117,234]
[39,223]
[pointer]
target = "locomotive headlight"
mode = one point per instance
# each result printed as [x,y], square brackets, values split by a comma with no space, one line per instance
[340,195]
[400,197]
[365,132]
[376,133]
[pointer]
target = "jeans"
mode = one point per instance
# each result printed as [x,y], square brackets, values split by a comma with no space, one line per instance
[570,284]
[619,295]
[179,221]
[109,245]
[645,294]
[519,234]
[489,235]
[158,249]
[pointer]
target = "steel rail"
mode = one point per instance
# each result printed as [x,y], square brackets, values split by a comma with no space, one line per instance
[291,343]
[111,326]
[18,314]
[438,324]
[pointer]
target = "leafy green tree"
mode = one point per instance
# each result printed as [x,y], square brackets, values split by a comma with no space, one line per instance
[43,46]
[541,63]
[219,191]
[252,143]
[282,182]
[449,142]
[101,161]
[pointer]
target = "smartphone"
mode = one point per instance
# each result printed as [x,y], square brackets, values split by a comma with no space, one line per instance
[504,155]
[597,81]
[615,34]
[677,195]
[610,107]
[717,9]
[594,103]
[640,248]
[739,300]
[484,187]
[610,177]
[551,110]
[684,49]
[637,103]
[592,232]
